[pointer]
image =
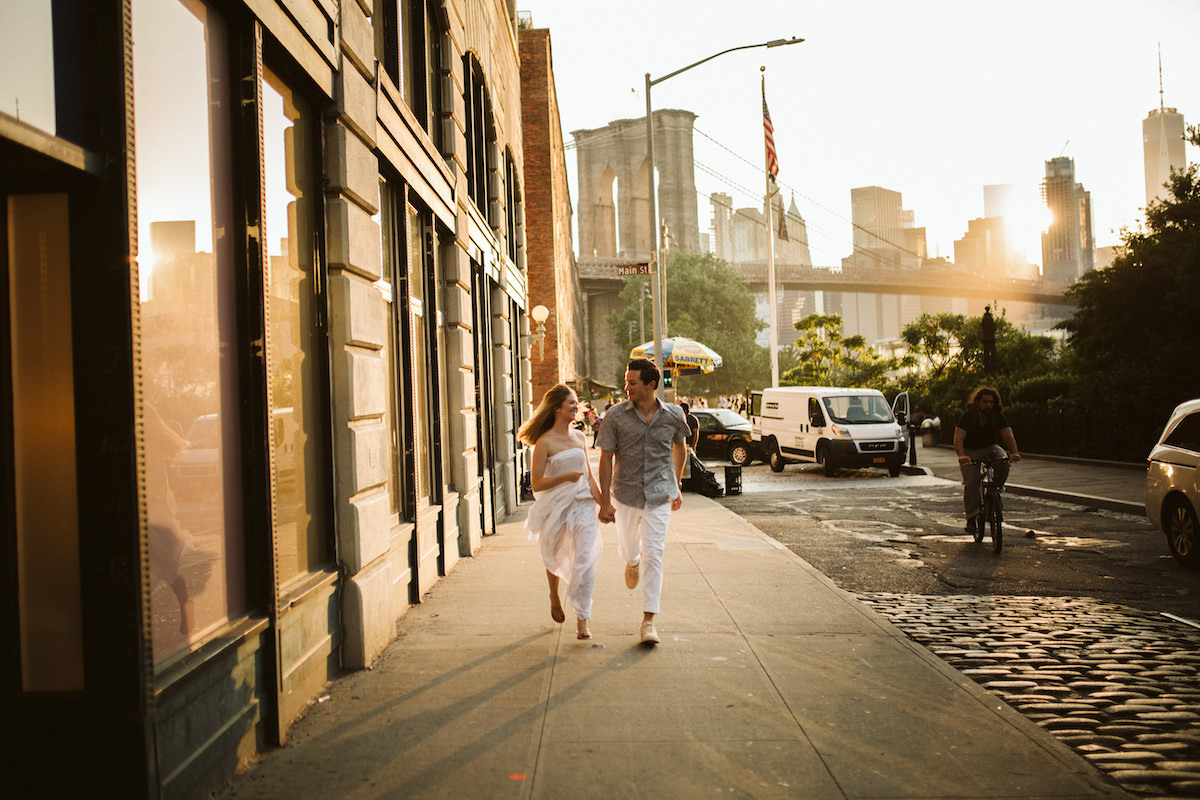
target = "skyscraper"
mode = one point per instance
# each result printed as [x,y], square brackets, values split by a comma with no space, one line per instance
[879,222]
[877,216]
[1162,144]
[1069,244]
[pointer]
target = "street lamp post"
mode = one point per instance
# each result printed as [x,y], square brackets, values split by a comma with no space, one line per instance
[656,242]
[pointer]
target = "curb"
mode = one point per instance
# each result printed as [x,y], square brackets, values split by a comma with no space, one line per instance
[1089,500]
[1107,503]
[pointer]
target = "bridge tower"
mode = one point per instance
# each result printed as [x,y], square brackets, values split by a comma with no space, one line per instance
[616,154]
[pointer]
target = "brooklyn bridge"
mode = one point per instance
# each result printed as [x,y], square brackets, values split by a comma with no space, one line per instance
[873,301]
[603,274]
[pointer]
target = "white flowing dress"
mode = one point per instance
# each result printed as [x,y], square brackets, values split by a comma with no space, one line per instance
[564,521]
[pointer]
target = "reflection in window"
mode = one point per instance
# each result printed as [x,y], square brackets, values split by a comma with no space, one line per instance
[391,285]
[192,429]
[293,364]
[27,64]
[422,369]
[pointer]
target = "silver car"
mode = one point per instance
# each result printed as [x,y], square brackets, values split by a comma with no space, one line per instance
[1172,491]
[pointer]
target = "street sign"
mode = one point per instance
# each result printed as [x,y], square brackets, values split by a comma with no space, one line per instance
[625,270]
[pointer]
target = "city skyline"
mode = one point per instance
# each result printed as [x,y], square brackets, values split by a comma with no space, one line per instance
[933,102]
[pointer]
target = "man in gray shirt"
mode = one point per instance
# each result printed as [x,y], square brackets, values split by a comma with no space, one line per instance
[647,437]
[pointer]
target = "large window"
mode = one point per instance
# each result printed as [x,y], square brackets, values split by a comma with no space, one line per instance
[480,132]
[514,215]
[27,64]
[186,271]
[295,369]
[409,41]
[424,371]
[219,450]
[392,287]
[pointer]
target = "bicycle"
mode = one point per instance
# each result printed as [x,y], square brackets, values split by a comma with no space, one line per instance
[991,509]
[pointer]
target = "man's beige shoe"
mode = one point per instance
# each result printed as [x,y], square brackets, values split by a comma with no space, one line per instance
[631,575]
[649,633]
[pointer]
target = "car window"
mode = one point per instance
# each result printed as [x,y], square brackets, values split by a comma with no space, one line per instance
[858,409]
[204,433]
[1186,434]
[727,417]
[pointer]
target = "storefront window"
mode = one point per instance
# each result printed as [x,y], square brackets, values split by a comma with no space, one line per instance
[294,367]
[423,370]
[27,64]
[185,263]
[391,286]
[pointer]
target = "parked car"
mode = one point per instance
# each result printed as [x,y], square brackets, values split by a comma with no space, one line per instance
[724,434]
[1172,491]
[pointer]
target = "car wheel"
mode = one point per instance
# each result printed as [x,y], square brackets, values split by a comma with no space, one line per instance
[825,459]
[1179,523]
[777,462]
[739,454]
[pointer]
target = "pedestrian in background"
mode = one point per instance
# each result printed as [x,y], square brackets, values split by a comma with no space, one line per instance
[642,450]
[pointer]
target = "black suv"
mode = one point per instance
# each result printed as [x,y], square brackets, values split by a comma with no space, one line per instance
[724,434]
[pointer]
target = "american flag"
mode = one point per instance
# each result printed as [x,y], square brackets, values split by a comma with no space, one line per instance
[769,135]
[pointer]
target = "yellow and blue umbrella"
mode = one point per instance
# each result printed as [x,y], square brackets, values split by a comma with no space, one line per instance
[685,356]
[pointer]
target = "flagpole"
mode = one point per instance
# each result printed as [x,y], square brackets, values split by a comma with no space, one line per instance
[769,209]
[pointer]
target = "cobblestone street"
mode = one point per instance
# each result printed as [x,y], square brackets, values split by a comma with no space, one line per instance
[1119,685]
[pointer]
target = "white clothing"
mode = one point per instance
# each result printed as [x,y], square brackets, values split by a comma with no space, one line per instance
[564,520]
[641,538]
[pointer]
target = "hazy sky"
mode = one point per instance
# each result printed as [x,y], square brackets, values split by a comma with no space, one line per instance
[931,98]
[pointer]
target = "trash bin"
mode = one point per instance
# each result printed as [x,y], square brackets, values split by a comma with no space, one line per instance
[929,433]
[733,480]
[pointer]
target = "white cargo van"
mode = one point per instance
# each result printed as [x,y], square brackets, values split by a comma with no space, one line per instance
[829,426]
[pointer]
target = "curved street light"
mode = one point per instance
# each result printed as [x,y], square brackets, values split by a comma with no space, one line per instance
[655,237]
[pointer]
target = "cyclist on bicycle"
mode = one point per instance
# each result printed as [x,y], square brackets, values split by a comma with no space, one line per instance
[982,433]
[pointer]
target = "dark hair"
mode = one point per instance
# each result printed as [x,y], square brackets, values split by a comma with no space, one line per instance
[988,390]
[543,419]
[645,369]
[685,407]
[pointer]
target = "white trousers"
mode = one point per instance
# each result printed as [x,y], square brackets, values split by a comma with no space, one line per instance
[641,538]
[573,554]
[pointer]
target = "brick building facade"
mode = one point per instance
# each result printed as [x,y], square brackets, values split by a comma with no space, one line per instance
[553,277]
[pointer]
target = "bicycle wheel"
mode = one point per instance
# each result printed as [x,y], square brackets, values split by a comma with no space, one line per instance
[994,516]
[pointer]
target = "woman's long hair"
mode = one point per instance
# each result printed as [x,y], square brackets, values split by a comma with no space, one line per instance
[543,418]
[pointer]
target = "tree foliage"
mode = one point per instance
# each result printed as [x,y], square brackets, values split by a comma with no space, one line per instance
[933,339]
[948,351]
[1133,336]
[824,357]
[706,301]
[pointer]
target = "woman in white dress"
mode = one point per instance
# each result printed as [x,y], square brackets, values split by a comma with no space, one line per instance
[563,517]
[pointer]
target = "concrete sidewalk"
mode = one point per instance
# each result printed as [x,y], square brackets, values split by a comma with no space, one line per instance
[1116,487]
[770,682]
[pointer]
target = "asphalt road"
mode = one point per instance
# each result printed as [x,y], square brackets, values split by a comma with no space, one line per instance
[871,533]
